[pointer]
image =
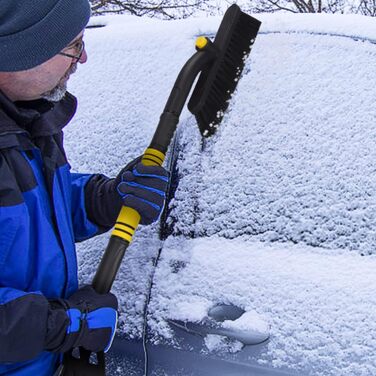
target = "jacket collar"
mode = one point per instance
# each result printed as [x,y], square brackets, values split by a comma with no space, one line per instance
[37,118]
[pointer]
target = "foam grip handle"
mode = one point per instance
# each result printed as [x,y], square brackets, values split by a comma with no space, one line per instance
[126,223]
[152,157]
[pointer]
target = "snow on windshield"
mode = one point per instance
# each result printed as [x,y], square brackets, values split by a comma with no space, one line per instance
[294,158]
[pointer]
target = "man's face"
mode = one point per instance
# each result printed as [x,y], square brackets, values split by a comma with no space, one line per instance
[48,80]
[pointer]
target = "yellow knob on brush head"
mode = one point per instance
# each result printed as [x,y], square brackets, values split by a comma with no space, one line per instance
[201,42]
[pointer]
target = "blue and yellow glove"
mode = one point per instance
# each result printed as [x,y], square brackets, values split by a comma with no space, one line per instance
[143,188]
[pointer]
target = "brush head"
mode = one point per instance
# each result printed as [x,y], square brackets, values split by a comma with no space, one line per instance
[217,82]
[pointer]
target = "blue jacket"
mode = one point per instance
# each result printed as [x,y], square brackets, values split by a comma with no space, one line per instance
[42,215]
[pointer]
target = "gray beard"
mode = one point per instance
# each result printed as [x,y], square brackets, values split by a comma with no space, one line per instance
[58,92]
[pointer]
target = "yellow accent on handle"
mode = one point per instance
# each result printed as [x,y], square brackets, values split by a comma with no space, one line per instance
[201,42]
[152,157]
[126,223]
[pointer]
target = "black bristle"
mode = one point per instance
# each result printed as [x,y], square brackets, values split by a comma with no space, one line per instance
[218,81]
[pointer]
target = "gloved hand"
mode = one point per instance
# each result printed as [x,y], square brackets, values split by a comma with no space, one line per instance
[143,188]
[87,319]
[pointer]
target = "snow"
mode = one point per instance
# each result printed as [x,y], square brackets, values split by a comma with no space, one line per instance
[193,308]
[249,322]
[280,203]
[320,304]
[354,26]
[304,172]
[218,343]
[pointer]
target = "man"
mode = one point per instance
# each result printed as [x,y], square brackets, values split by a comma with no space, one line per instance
[44,208]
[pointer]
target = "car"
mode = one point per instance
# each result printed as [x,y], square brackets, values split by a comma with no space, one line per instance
[263,261]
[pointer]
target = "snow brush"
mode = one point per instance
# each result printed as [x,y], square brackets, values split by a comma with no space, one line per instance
[220,63]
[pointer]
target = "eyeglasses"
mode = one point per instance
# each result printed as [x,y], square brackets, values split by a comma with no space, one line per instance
[79,46]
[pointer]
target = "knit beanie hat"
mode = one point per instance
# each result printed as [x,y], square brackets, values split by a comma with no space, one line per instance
[33,31]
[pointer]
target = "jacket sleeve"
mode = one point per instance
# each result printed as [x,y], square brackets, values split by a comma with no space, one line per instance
[84,225]
[23,315]
[103,203]
[28,325]
[23,324]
